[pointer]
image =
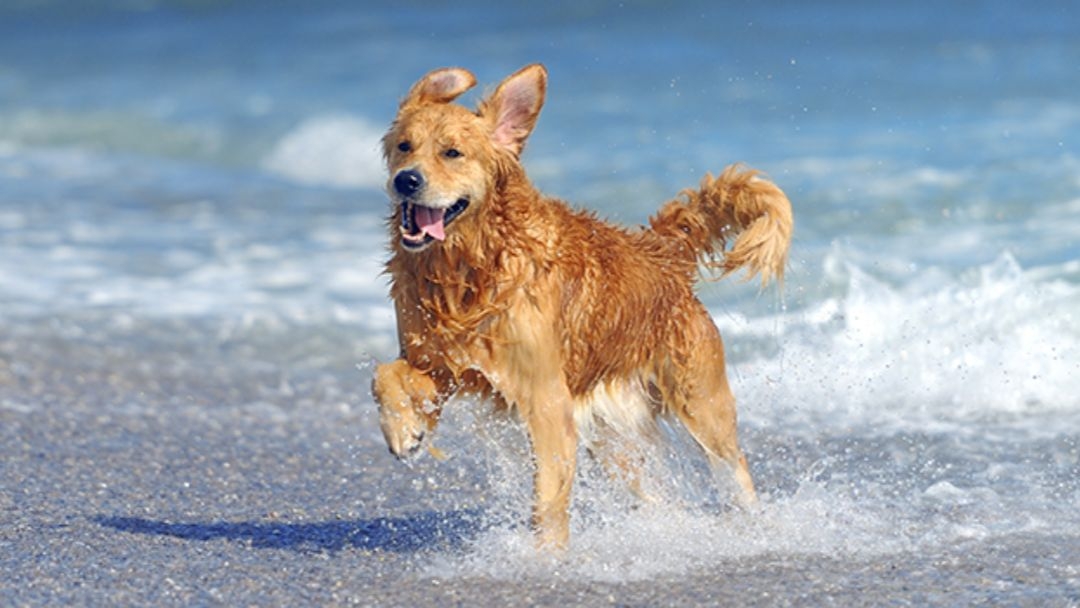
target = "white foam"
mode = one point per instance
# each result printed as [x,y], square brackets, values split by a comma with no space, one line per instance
[337,150]
[934,353]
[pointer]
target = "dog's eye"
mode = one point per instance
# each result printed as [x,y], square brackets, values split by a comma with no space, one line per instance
[404,146]
[453,153]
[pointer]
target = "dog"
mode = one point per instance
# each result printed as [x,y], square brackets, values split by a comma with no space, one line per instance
[586,329]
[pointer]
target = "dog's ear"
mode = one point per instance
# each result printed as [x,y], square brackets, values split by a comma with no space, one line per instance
[515,106]
[440,86]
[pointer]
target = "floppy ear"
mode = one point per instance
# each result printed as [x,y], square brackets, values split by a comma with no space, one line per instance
[515,106]
[440,86]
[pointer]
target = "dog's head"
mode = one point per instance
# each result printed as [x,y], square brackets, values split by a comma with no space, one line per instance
[443,159]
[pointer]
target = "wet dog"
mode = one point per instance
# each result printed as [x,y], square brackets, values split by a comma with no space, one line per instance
[586,329]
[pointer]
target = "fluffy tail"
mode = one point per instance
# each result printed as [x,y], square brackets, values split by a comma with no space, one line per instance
[737,207]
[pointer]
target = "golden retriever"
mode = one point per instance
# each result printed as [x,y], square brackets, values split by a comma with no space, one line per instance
[585,329]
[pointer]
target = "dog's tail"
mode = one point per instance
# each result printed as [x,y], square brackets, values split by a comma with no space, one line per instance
[737,207]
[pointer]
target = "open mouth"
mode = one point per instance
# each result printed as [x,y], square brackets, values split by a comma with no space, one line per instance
[421,225]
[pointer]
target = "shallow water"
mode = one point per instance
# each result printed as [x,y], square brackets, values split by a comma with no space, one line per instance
[191,241]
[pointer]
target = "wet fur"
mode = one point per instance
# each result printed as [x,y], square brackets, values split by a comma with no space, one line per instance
[585,328]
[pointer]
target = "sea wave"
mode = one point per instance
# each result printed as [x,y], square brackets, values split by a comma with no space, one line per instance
[116,131]
[335,150]
[999,342]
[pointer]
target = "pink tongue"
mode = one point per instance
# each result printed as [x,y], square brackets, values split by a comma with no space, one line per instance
[430,221]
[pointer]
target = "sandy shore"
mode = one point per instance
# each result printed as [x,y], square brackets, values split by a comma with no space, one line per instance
[135,474]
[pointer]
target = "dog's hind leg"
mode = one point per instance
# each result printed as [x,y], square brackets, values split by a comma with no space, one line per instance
[702,400]
[711,422]
[617,423]
[622,461]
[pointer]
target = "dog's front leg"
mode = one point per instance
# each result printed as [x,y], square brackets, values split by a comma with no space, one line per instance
[409,405]
[554,441]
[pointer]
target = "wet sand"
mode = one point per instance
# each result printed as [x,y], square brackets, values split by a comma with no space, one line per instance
[144,469]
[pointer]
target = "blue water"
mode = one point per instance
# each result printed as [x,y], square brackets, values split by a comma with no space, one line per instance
[214,166]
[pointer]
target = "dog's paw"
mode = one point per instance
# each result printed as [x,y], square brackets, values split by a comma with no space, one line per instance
[405,450]
[403,431]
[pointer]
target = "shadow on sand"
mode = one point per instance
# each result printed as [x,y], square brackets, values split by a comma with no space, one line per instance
[417,532]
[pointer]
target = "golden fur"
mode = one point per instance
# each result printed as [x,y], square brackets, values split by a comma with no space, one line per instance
[583,327]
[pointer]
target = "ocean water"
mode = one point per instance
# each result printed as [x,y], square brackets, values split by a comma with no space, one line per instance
[191,191]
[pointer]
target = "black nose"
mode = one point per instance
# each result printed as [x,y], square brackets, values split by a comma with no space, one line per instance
[408,182]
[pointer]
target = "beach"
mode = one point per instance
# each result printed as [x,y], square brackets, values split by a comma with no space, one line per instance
[192,300]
